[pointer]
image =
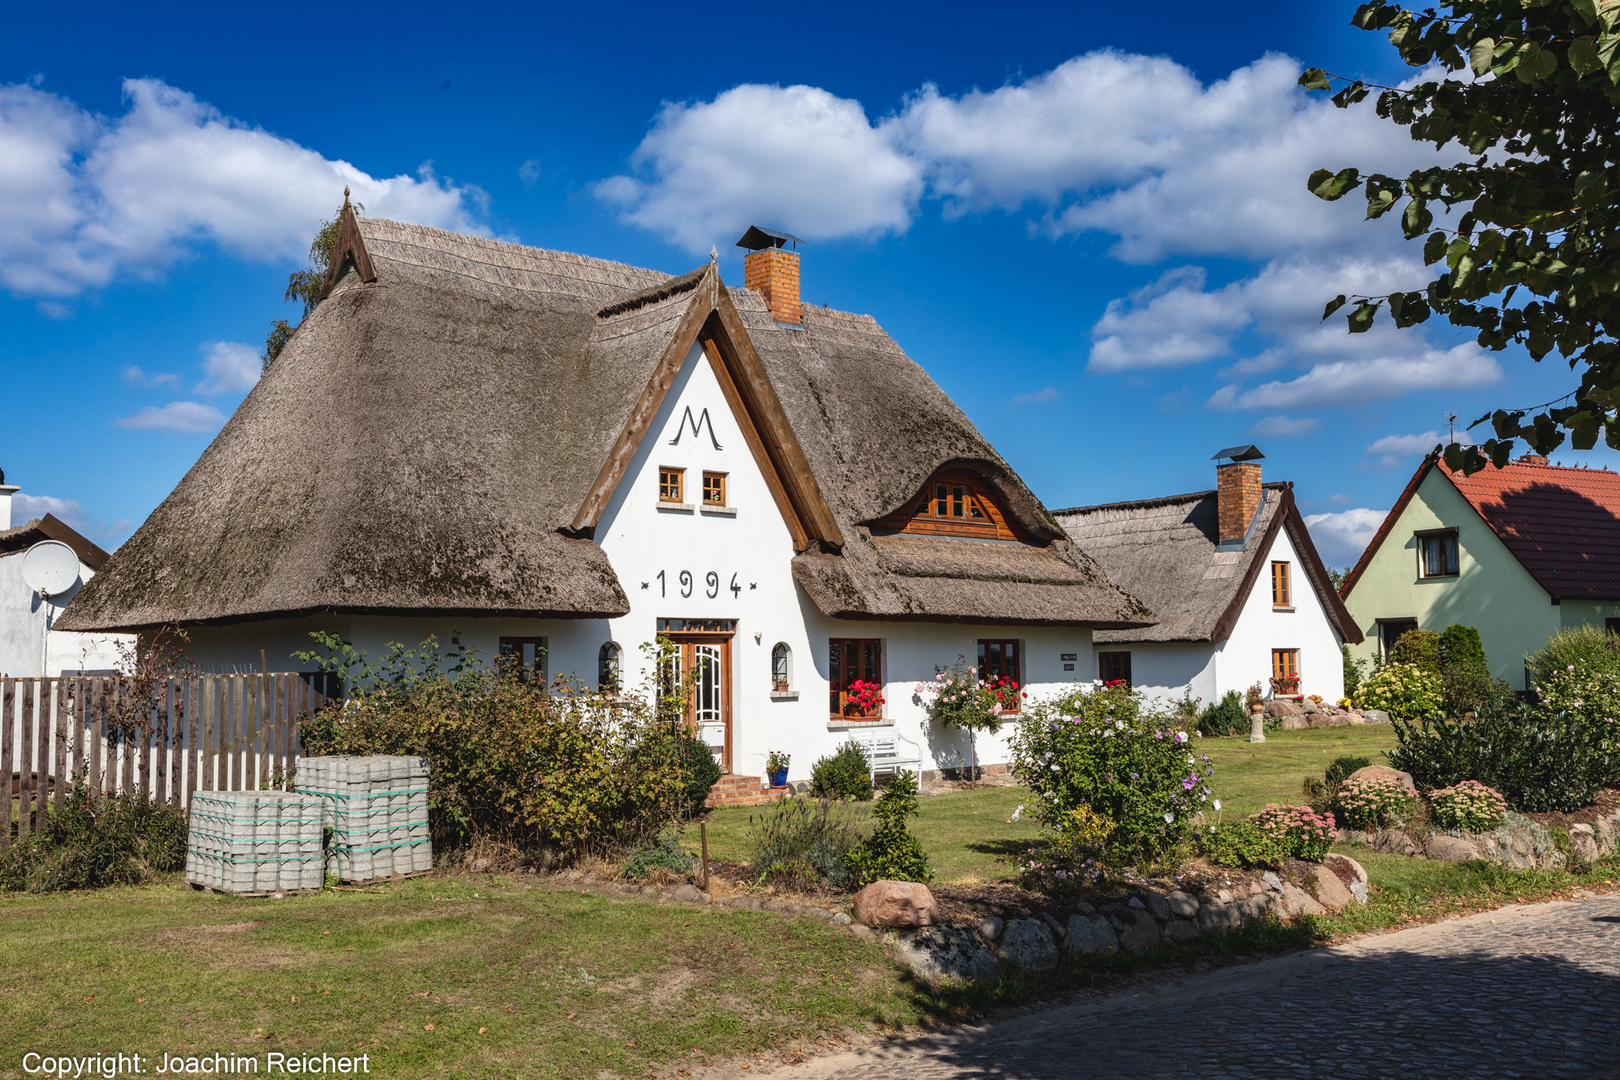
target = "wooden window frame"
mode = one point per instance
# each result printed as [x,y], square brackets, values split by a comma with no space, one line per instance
[1384,642]
[1282,670]
[609,682]
[781,680]
[1109,666]
[508,646]
[838,673]
[1282,587]
[999,668]
[717,480]
[671,477]
[933,511]
[1447,538]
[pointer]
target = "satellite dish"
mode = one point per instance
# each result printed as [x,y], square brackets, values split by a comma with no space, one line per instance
[50,567]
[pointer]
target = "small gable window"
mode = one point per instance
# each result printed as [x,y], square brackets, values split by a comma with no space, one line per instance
[1282,594]
[954,502]
[671,484]
[714,489]
[1437,553]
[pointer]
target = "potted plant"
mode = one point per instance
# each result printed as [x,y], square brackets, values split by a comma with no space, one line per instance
[776,766]
[863,699]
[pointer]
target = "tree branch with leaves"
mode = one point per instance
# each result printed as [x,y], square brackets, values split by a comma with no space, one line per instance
[305,286]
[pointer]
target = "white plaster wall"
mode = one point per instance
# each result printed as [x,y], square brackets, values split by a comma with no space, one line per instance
[22,622]
[1163,670]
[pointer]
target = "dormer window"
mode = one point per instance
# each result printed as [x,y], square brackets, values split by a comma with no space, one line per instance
[954,502]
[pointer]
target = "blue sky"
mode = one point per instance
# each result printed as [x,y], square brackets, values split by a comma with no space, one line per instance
[1088,225]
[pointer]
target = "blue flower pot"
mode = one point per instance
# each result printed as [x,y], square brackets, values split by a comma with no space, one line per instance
[779,778]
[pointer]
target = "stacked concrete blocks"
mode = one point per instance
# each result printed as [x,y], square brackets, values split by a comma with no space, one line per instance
[377,810]
[255,842]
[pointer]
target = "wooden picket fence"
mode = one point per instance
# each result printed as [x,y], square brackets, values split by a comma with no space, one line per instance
[206,733]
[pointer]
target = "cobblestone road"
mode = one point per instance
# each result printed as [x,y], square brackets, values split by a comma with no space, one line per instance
[1519,992]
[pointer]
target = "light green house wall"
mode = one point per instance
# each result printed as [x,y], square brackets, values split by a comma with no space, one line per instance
[1492,591]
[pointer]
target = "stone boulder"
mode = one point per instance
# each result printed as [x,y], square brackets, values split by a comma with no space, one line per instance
[900,904]
[990,927]
[1295,723]
[1028,944]
[1330,891]
[1384,772]
[1350,872]
[1091,934]
[1140,934]
[1375,716]
[1182,905]
[1583,842]
[1295,902]
[1282,707]
[1452,849]
[1180,932]
[944,954]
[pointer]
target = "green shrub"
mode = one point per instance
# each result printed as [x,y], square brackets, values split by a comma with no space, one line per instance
[1591,647]
[1352,672]
[1582,690]
[891,853]
[1095,748]
[94,840]
[664,854]
[1340,768]
[1225,717]
[1243,843]
[1374,802]
[1460,646]
[1538,760]
[702,771]
[1468,807]
[844,774]
[1065,860]
[1303,832]
[795,843]
[1405,691]
[1420,648]
[541,768]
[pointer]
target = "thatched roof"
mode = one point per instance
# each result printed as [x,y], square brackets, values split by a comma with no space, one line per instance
[1165,551]
[442,432]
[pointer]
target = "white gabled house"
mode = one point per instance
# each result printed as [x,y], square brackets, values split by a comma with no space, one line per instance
[561,458]
[1241,595]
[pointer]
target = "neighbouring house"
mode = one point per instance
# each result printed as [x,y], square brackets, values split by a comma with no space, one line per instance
[1519,553]
[1241,594]
[31,646]
[558,458]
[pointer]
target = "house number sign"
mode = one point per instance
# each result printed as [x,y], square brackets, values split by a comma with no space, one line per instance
[686,583]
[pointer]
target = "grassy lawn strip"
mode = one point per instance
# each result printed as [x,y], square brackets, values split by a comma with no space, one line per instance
[514,978]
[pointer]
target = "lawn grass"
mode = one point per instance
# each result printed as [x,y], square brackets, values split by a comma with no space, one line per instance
[970,835]
[444,976]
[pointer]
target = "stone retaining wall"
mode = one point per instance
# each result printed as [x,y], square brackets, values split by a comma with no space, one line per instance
[1519,843]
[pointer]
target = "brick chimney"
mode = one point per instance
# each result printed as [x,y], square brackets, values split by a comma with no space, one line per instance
[1237,493]
[773,271]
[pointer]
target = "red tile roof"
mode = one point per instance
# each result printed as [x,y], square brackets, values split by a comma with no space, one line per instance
[1562,524]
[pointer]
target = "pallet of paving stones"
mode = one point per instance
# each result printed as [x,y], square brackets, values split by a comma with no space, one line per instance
[255,843]
[376,807]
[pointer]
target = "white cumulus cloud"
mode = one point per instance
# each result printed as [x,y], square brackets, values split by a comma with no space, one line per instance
[182,417]
[84,197]
[1413,445]
[1285,426]
[1340,538]
[26,507]
[1356,382]
[1169,323]
[229,367]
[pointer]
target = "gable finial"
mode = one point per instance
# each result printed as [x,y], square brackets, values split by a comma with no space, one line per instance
[345,194]
[714,253]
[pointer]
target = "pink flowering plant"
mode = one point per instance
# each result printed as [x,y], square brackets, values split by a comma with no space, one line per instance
[1374,802]
[1305,833]
[1099,748]
[957,697]
[1467,807]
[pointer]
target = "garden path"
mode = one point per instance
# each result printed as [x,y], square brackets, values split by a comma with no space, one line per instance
[1530,991]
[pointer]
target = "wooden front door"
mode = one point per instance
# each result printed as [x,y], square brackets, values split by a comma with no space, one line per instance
[703,657]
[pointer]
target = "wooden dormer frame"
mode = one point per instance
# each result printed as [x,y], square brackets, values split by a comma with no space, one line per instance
[982,515]
[350,249]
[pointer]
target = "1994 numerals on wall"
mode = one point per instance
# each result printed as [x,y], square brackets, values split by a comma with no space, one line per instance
[687,583]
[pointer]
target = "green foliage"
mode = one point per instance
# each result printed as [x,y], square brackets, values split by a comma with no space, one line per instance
[1226,717]
[1405,691]
[1305,833]
[702,771]
[1243,843]
[957,697]
[1589,647]
[544,768]
[1468,807]
[1460,646]
[1420,648]
[665,853]
[305,285]
[1097,749]
[843,774]
[1353,672]
[1374,802]
[1340,769]
[890,852]
[1066,859]
[1531,259]
[795,842]
[94,840]
[1583,691]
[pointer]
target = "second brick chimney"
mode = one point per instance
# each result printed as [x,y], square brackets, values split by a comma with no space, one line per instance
[773,271]
[1237,493]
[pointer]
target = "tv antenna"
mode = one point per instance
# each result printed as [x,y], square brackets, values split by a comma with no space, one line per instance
[1451,426]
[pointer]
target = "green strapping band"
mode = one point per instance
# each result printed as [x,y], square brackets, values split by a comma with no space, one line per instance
[346,850]
[365,795]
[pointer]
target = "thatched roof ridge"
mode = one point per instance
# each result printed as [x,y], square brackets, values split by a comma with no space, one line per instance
[430,438]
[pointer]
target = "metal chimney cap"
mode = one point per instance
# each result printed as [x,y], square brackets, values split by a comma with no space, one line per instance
[756,238]
[1239,453]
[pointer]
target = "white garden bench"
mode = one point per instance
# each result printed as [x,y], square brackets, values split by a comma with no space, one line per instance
[887,751]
